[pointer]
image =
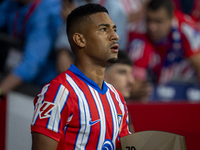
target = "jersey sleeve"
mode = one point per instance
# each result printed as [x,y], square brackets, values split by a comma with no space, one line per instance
[191,39]
[52,110]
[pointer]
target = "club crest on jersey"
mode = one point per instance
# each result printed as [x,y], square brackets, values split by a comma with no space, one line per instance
[119,118]
[107,145]
[45,109]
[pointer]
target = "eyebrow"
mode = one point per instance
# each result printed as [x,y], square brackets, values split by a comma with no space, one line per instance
[107,25]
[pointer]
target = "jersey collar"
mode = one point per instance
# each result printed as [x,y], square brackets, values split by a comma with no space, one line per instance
[90,82]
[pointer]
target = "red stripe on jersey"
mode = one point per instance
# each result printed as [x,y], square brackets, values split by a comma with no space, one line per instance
[93,139]
[78,102]
[109,119]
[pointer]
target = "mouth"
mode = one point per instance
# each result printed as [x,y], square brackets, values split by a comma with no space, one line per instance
[114,47]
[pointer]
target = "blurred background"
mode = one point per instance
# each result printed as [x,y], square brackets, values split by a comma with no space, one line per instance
[158,71]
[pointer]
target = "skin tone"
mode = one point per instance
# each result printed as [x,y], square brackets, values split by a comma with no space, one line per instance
[97,46]
[120,76]
[158,24]
[94,46]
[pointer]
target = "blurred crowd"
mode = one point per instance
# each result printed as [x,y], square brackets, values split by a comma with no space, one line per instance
[159,58]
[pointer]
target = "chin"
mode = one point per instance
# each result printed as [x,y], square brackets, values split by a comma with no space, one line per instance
[112,60]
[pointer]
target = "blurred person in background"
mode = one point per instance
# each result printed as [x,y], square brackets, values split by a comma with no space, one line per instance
[64,56]
[135,11]
[120,74]
[191,8]
[121,77]
[35,22]
[168,55]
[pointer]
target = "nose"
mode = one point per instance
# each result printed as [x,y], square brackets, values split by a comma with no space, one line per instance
[151,26]
[114,36]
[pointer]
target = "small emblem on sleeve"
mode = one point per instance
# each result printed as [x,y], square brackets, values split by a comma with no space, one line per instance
[45,109]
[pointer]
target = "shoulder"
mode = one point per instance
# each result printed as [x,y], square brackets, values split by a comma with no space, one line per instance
[190,34]
[138,43]
[57,86]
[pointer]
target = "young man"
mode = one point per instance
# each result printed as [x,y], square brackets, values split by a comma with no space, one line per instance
[170,51]
[64,58]
[78,109]
[120,74]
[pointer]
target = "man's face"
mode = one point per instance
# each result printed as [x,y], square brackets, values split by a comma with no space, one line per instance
[121,77]
[101,39]
[158,24]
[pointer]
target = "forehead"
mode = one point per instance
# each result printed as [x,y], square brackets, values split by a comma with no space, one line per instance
[120,66]
[161,13]
[100,18]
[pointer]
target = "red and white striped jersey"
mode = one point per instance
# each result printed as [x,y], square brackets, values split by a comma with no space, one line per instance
[74,111]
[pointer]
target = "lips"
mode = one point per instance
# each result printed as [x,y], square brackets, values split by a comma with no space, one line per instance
[114,47]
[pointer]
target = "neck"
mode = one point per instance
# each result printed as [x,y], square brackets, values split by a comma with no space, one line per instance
[93,72]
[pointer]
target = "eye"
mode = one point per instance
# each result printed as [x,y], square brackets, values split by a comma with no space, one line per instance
[103,29]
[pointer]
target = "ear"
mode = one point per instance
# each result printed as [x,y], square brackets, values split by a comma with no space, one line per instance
[79,39]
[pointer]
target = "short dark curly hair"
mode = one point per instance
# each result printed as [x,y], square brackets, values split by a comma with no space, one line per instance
[80,13]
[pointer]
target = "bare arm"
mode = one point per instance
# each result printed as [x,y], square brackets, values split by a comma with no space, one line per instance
[9,83]
[43,142]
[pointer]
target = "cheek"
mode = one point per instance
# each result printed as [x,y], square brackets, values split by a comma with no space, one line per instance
[165,28]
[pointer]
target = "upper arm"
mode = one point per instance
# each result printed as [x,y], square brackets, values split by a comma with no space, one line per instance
[43,142]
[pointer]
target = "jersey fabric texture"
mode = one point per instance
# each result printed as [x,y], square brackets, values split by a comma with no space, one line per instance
[168,59]
[39,31]
[74,111]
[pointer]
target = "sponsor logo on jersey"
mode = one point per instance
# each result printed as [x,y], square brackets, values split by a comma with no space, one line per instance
[45,109]
[93,122]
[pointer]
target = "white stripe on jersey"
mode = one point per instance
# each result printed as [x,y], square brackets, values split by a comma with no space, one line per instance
[60,101]
[39,103]
[114,117]
[119,101]
[85,116]
[118,98]
[122,107]
[100,109]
